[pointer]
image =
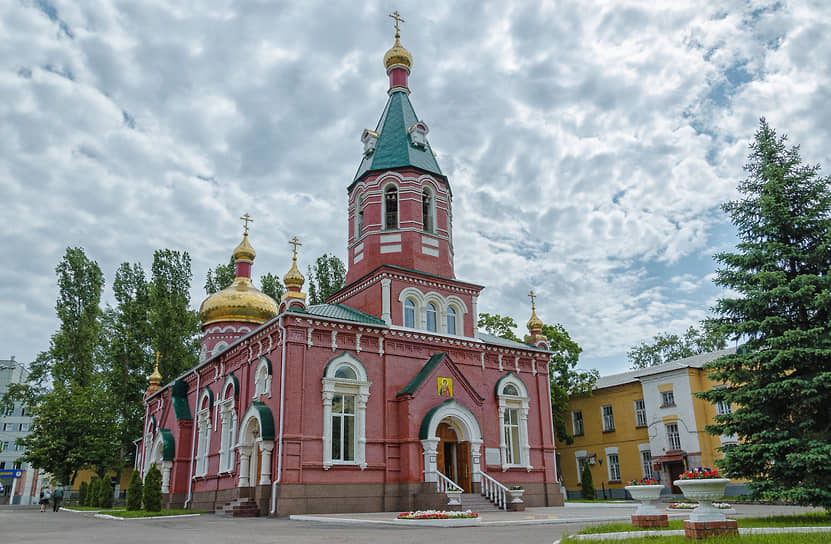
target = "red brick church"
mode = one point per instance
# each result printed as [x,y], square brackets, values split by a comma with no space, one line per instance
[385,398]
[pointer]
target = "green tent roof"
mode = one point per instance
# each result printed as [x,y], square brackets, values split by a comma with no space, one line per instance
[394,148]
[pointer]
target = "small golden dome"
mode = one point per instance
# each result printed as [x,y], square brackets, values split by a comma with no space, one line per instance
[293,277]
[399,56]
[240,301]
[535,323]
[244,251]
[156,377]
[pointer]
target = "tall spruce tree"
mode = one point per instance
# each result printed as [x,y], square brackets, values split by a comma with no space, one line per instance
[779,382]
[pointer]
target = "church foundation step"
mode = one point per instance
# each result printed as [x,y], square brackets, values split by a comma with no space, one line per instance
[240,508]
[477,503]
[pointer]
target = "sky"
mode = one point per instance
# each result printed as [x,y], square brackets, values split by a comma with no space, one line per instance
[589,145]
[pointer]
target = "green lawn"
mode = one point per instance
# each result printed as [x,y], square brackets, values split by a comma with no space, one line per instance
[92,508]
[813,519]
[784,538]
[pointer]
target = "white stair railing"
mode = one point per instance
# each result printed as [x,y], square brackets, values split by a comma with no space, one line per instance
[443,483]
[494,491]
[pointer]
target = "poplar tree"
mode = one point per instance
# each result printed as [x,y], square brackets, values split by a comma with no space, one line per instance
[779,381]
[325,278]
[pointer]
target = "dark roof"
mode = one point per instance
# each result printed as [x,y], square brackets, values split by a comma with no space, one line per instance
[505,343]
[425,371]
[340,311]
[393,148]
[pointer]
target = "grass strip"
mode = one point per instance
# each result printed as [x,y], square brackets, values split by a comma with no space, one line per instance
[811,519]
[146,514]
[780,538]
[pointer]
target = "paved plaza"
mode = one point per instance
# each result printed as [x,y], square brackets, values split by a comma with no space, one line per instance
[536,525]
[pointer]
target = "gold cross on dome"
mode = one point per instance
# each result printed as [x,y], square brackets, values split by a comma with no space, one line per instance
[245,220]
[533,296]
[295,242]
[397,16]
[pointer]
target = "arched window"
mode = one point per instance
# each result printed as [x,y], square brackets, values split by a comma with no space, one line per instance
[391,208]
[513,418]
[203,430]
[427,211]
[345,394]
[451,320]
[409,313]
[431,317]
[359,216]
[262,378]
[219,347]
[228,416]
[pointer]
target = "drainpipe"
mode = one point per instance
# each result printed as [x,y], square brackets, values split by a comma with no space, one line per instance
[193,444]
[280,436]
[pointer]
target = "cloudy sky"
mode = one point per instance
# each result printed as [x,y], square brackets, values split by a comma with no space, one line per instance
[589,145]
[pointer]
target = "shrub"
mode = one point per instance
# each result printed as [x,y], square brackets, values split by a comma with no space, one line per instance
[153,490]
[587,489]
[82,494]
[93,491]
[134,492]
[105,493]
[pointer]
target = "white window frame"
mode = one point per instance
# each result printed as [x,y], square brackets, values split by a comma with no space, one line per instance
[646,463]
[574,419]
[428,221]
[359,215]
[640,413]
[668,395]
[613,466]
[582,457]
[608,419]
[451,316]
[431,310]
[339,386]
[203,434]
[262,379]
[410,306]
[228,416]
[520,404]
[671,434]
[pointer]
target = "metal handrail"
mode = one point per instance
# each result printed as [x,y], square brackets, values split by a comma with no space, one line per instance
[443,483]
[494,491]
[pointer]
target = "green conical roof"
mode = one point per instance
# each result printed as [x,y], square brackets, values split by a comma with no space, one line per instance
[394,148]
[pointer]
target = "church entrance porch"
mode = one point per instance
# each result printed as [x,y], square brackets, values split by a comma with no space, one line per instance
[453,456]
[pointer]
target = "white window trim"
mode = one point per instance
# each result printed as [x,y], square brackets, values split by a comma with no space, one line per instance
[262,379]
[431,212]
[420,301]
[609,465]
[603,418]
[519,403]
[203,434]
[228,416]
[360,389]
[574,423]
[641,410]
[384,189]
[579,456]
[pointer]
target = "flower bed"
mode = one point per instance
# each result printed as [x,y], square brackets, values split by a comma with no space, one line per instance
[437,514]
[692,506]
[643,481]
[700,473]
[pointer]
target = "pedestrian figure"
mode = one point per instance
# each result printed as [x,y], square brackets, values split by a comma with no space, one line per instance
[45,496]
[57,497]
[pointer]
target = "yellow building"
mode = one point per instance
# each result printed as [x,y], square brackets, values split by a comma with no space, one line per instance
[88,475]
[643,423]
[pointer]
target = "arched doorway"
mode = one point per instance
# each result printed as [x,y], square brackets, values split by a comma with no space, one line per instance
[453,455]
[256,442]
[451,441]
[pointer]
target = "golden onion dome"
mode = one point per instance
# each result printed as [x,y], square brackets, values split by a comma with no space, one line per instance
[240,301]
[156,376]
[293,277]
[535,323]
[398,56]
[244,251]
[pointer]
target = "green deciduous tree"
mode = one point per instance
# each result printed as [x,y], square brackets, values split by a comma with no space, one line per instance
[779,277]
[565,378]
[325,278]
[174,325]
[497,325]
[272,286]
[587,482]
[135,492]
[220,277]
[152,497]
[666,347]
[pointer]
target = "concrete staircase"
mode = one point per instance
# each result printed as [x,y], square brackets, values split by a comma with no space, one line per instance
[240,508]
[477,503]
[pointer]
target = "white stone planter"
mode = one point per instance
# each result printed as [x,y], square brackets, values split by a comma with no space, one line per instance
[705,491]
[454,497]
[646,495]
[516,495]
